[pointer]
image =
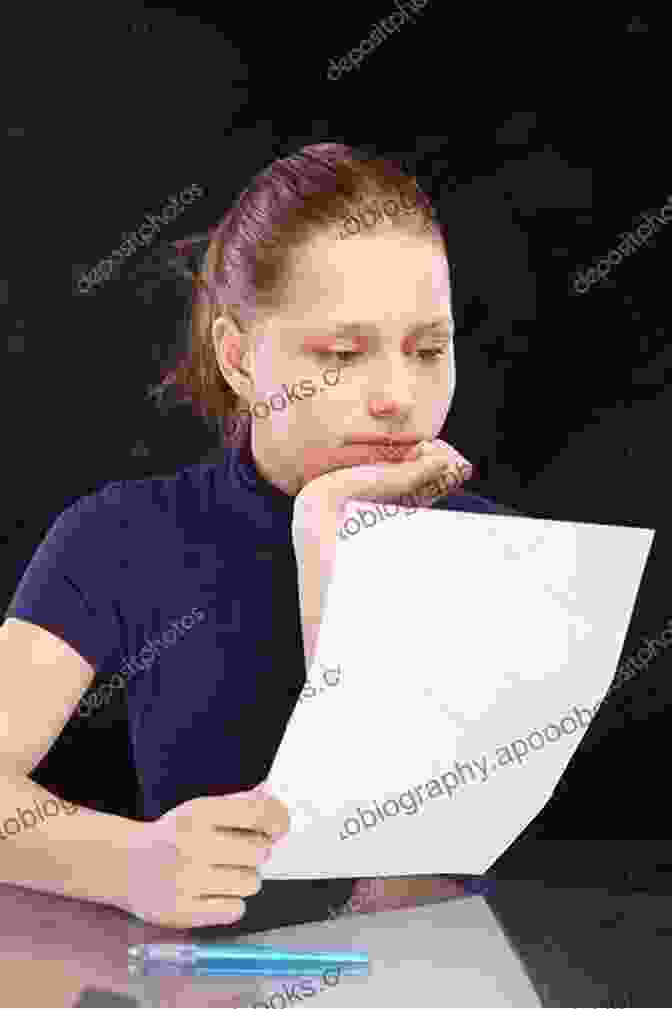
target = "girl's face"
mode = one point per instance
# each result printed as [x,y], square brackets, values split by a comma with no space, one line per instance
[376,306]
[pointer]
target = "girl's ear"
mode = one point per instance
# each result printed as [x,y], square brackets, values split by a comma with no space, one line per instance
[231,351]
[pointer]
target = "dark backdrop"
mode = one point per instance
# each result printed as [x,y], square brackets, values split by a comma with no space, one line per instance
[540,142]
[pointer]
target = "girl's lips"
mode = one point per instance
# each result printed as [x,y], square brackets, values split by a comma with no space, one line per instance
[389,453]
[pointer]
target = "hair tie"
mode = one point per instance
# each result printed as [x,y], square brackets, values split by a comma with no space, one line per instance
[187,246]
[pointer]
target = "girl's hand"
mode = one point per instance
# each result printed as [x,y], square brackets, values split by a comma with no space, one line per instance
[195,864]
[332,478]
[393,474]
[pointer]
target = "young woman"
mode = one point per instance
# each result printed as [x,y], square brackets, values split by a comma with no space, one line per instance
[332,363]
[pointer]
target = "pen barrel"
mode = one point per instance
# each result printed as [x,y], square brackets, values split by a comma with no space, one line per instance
[309,968]
[173,954]
[191,961]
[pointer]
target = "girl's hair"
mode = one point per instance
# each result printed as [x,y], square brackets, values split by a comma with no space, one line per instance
[247,256]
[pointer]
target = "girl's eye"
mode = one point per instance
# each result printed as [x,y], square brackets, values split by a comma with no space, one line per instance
[349,354]
[346,356]
[435,353]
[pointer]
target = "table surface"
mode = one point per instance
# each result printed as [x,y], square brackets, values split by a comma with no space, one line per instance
[577,945]
[448,954]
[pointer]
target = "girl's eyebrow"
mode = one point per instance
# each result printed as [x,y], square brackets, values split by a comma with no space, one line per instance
[357,331]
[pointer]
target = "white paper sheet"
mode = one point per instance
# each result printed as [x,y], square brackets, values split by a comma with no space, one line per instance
[455,634]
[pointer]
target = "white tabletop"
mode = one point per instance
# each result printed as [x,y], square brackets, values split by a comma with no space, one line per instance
[452,953]
[448,954]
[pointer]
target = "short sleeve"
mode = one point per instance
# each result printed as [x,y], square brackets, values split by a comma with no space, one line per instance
[67,588]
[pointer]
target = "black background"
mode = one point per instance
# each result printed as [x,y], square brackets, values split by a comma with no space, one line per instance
[541,139]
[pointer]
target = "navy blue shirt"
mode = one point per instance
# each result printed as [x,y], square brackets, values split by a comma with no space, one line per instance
[187,586]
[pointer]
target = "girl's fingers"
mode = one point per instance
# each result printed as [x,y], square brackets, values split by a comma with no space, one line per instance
[425,471]
[417,451]
[321,461]
[438,447]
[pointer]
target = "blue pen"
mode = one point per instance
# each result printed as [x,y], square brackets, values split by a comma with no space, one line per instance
[235,959]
